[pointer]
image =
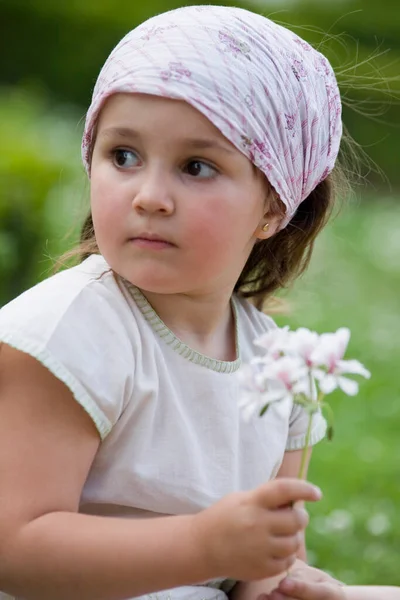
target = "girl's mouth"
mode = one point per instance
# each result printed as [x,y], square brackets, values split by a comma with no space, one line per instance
[151,242]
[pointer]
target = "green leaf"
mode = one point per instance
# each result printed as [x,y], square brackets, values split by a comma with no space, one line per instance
[264,410]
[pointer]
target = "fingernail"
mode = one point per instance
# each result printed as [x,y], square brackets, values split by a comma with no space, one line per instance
[303,515]
[318,491]
[288,584]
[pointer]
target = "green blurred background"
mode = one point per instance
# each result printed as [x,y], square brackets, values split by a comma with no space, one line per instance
[51,55]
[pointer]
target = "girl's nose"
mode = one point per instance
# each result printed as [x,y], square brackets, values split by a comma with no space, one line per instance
[153,195]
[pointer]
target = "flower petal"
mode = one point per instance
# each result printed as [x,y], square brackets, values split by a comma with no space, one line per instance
[276,391]
[348,386]
[343,338]
[354,367]
[274,340]
[330,349]
[319,374]
[328,384]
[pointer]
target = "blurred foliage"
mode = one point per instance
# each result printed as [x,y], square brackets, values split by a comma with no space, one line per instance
[40,172]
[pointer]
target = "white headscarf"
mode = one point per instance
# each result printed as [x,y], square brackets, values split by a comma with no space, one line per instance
[268,91]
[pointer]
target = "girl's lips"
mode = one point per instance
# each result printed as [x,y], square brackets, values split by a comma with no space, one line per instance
[151,244]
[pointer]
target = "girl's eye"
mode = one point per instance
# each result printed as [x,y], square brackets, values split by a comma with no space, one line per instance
[201,170]
[125,159]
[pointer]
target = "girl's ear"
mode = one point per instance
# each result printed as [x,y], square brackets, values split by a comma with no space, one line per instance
[268,226]
[274,211]
[273,215]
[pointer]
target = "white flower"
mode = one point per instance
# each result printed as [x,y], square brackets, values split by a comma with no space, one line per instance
[292,363]
[274,381]
[274,341]
[330,349]
[328,382]
[254,404]
[329,366]
[253,390]
[283,342]
[303,342]
[288,372]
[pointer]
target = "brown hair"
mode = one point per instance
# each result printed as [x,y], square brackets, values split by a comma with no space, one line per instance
[276,262]
[273,263]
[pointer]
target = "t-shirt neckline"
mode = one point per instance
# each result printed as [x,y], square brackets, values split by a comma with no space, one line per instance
[168,336]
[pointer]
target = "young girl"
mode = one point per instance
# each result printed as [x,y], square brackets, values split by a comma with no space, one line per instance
[126,468]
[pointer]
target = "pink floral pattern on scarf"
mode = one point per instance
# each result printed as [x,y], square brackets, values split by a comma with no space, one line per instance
[175,71]
[234,45]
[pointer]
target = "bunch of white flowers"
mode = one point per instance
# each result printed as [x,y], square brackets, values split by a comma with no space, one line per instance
[301,366]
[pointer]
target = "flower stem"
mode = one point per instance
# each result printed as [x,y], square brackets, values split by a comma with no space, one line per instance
[305,449]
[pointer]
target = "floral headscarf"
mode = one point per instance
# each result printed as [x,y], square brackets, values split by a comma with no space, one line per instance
[269,92]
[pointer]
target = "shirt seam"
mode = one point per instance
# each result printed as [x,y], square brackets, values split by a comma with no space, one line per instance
[176,344]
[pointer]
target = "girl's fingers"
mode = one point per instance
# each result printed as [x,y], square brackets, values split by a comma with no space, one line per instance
[282,547]
[288,521]
[300,590]
[279,565]
[284,491]
[312,575]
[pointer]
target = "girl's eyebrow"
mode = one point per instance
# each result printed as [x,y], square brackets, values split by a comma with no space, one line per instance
[193,143]
[205,143]
[125,132]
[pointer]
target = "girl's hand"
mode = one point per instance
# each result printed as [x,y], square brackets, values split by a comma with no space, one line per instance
[303,572]
[254,535]
[295,589]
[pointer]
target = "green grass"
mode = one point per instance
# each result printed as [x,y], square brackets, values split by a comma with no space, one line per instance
[354,281]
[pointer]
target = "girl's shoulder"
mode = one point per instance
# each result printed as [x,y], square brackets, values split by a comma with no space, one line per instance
[89,289]
[74,324]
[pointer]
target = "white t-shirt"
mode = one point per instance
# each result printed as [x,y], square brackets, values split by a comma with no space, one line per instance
[173,439]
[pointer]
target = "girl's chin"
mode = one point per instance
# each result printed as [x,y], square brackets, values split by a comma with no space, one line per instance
[153,284]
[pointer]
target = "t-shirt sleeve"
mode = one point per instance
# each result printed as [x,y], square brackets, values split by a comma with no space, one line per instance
[80,337]
[298,425]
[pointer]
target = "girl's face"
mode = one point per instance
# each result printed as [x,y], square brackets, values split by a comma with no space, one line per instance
[176,208]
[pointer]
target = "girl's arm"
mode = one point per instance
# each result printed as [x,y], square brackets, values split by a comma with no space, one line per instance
[47,550]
